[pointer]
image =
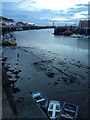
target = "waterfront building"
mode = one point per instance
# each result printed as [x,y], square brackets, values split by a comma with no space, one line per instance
[84,26]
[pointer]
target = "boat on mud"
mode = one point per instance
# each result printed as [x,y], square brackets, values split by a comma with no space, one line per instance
[69,111]
[40,99]
[54,109]
[8,40]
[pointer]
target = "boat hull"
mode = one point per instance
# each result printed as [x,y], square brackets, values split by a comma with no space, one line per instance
[40,99]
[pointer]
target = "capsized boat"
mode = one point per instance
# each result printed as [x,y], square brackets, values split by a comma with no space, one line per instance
[69,111]
[40,99]
[54,109]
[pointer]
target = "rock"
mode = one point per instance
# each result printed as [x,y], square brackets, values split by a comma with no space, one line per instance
[58,79]
[30,92]
[3,63]
[65,58]
[18,55]
[42,61]
[17,59]
[69,79]
[11,70]
[17,76]
[14,90]
[9,76]
[16,72]
[6,67]
[49,83]
[20,70]
[65,78]
[35,63]
[25,50]
[12,81]
[55,83]
[78,61]
[4,59]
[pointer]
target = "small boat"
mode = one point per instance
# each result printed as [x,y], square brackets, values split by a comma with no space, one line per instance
[54,109]
[76,35]
[69,111]
[40,99]
[12,43]
[8,40]
[86,36]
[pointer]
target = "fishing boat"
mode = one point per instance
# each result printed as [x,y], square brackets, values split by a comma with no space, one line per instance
[69,111]
[54,109]
[40,99]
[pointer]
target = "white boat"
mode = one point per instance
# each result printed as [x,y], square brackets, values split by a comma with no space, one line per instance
[76,35]
[69,111]
[54,109]
[40,99]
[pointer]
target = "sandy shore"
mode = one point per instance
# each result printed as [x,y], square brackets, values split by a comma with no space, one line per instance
[58,78]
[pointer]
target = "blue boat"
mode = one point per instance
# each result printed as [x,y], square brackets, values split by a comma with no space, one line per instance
[40,99]
[68,111]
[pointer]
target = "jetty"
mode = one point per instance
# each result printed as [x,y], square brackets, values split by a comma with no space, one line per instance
[83,28]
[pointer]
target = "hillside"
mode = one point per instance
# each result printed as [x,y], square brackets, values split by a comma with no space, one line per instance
[6,19]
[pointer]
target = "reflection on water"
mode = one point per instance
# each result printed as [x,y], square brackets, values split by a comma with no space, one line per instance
[64,45]
[72,42]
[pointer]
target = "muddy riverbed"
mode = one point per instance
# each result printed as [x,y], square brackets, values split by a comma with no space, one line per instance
[57,77]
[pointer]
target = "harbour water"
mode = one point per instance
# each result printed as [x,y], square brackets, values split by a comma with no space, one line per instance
[65,46]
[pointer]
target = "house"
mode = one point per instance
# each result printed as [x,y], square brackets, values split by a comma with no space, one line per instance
[84,26]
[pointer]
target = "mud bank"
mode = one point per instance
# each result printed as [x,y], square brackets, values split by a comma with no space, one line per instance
[57,77]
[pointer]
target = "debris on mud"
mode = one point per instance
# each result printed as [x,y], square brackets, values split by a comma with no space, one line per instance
[50,74]
[69,79]
[20,99]
[55,83]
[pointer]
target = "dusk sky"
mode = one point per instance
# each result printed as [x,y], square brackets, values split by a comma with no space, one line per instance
[45,12]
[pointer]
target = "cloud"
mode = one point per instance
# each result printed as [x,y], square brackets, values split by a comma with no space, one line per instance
[80,15]
[50,4]
[60,19]
[43,12]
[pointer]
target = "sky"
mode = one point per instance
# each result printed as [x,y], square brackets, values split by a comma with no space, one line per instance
[45,12]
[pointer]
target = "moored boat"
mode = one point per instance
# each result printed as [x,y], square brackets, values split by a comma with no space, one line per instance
[76,35]
[54,109]
[12,43]
[87,36]
[69,111]
[40,99]
[8,40]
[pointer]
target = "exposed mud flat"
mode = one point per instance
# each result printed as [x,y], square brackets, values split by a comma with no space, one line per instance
[55,76]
